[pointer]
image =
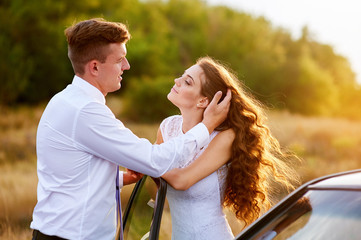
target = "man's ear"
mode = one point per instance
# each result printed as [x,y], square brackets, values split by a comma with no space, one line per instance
[203,103]
[93,67]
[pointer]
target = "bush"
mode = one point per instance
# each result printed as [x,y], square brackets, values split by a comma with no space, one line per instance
[146,99]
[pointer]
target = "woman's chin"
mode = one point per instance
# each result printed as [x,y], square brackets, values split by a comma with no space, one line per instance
[169,97]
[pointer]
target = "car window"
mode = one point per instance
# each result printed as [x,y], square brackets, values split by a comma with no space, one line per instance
[319,214]
[139,215]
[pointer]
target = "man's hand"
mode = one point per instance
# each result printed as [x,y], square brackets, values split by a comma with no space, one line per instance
[131,176]
[215,113]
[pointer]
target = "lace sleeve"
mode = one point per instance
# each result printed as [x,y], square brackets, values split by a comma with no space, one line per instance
[171,127]
[162,128]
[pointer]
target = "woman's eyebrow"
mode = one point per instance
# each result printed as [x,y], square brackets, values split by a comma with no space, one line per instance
[190,77]
[187,75]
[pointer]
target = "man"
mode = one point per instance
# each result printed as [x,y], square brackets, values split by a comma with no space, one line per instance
[80,143]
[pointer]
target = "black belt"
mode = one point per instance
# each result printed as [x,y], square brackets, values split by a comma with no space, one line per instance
[37,235]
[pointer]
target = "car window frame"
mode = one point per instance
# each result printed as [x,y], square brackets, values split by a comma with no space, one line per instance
[158,205]
[158,210]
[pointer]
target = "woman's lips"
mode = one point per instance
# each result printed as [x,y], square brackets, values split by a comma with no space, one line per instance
[173,89]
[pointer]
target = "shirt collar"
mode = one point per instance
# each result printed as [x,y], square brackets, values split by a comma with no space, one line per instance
[88,88]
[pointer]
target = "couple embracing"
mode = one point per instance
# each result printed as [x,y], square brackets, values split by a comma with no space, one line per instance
[217,153]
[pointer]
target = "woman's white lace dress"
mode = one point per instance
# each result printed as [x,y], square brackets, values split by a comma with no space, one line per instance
[197,212]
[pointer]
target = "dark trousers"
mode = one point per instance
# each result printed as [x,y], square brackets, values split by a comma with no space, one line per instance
[37,235]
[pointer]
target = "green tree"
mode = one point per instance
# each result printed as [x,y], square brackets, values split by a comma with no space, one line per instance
[312,91]
[14,64]
[301,75]
[147,101]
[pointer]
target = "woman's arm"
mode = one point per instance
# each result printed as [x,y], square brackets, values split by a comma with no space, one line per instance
[216,155]
[159,139]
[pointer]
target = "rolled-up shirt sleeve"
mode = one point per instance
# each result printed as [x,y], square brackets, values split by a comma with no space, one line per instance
[98,132]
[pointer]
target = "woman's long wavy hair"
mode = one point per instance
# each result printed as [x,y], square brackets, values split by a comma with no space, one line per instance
[257,159]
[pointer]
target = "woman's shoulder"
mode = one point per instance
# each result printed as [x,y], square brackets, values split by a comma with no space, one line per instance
[229,133]
[170,126]
[226,136]
[173,118]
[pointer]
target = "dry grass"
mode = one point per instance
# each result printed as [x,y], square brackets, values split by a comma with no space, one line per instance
[326,146]
[17,199]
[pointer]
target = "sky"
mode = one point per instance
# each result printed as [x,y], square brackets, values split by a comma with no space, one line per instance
[333,22]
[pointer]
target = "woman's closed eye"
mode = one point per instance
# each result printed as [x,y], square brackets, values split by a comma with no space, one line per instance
[188,80]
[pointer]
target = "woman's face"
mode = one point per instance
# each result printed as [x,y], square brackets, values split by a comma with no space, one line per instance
[186,92]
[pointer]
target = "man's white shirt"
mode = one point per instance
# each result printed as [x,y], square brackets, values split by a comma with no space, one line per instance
[79,144]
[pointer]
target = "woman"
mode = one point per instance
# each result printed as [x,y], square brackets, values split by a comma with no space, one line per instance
[233,170]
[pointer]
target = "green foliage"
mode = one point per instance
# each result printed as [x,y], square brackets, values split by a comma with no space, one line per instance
[35,51]
[300,75]
[146,99]
[312,91]
[14,82]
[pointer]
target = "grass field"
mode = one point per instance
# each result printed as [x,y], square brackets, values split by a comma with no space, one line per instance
[325,146]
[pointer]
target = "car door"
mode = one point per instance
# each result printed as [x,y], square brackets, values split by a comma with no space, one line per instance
[143,214]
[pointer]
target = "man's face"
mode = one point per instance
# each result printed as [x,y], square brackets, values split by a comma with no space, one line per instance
[110,72]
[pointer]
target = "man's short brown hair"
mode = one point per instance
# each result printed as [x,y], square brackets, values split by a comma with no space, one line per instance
[90,39]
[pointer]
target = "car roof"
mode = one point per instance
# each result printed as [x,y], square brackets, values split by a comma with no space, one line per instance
[345,180]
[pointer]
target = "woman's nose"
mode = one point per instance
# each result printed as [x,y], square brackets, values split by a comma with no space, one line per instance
[177,82]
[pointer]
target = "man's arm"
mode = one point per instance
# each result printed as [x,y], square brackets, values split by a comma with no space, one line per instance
[99,133]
